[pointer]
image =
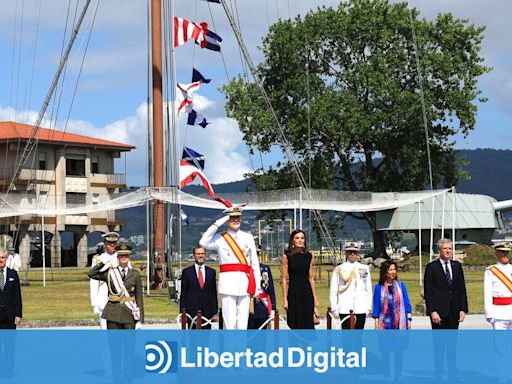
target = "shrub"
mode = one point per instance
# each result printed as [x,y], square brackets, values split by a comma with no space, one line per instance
[478,254]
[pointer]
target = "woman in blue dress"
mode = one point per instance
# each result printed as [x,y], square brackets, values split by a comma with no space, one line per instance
[391,310]
[391,306]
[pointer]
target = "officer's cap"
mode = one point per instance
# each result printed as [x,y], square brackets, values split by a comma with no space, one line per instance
[503,246]
[111,236]
[351,246]
[123,249]
[233,211]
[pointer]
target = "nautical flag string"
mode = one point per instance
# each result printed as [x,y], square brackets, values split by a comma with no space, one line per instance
[188,173]
[195,118]
[184,95]
[197,77]
[193,158]
[185,30]
[212,41]
[184,217]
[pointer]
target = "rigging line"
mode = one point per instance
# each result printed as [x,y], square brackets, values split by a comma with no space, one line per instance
[19,60]
[214,27]
[57,99]
[286,145]
[31,141]
[239,26]
[268,14]
[15,30]
[28,89]
[422,97]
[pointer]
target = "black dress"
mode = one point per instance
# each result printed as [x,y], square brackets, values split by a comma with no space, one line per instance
[300,296]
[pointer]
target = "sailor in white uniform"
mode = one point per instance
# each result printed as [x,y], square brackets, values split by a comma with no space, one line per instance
[99,289]
[351,288]
[239,277]
[498,289]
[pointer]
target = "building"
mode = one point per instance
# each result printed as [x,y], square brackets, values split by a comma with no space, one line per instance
[64,168]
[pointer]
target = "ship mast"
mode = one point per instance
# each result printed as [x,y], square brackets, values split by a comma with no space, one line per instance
[158,160]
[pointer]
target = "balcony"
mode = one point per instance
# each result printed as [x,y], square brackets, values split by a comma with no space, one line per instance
[36,176]
[110,181]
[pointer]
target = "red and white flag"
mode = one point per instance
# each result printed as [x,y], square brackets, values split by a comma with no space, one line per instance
[188,173]
[184,95]
[185,30]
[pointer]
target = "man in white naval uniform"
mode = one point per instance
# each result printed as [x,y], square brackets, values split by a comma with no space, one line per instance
[351,288]
[498,289]
[99,289]
[239,276]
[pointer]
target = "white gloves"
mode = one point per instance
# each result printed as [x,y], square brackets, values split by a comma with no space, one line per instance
[138,325]
[96,310]
[112,264]
[272,313]
[221,221]
[335,312]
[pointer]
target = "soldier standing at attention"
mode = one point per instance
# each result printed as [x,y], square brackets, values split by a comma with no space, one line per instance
[99,289]
[239,277]
[125,308]
[351,288]
[498,289]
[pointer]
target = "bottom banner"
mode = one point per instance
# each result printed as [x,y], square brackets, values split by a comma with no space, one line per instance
[254,356]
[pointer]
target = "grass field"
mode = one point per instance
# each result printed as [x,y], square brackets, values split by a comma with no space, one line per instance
[66,295]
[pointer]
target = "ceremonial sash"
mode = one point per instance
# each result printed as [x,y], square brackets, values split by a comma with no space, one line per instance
[265,298]
[502,277]
[502,300]
[114,277]
[251,287]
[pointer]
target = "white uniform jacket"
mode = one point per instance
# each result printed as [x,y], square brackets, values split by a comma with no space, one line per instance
[351,288]
[14,262]
[493,287]
[232,283]
[99,289]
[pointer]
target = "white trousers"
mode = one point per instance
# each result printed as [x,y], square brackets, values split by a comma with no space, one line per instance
[502,324]
[235,311]
[103,323]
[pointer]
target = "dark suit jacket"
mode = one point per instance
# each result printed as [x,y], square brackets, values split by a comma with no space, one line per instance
[10,297]
[442,297]
[116,311]
[193,298]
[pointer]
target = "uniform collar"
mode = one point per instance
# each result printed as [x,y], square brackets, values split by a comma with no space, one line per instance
[233,233]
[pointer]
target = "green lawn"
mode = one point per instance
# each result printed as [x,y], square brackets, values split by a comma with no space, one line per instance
[66,295]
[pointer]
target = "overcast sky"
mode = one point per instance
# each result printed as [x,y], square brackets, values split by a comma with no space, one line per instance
[110,101]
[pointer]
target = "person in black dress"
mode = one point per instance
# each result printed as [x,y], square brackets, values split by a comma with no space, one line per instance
[299,299]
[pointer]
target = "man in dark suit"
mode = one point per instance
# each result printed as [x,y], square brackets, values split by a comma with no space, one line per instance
[447,305]
[199,288]
[10,295]
[445,290]
[265,303]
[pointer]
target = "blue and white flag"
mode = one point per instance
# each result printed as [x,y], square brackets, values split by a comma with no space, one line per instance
[195,118]
[198,78]
[184,217]
[213,41]
[194,158]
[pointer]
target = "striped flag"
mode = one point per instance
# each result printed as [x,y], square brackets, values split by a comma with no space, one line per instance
[188,173]
[185,30]
[212,41]
[195,118]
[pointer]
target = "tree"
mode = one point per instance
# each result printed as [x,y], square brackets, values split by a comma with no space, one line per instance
[352,73]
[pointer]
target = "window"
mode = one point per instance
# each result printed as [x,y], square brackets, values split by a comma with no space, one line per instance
[42,161]
[75,167]
[75,198]
[95,164]
[95,198]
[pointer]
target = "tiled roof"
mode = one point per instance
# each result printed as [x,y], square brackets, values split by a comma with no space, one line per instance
[9,130]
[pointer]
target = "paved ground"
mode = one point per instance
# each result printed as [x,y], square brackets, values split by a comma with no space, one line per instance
[419,322]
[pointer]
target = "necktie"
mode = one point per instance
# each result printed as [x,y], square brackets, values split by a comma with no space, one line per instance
[447,273]
[2,280]
[123,273]
[200,277]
